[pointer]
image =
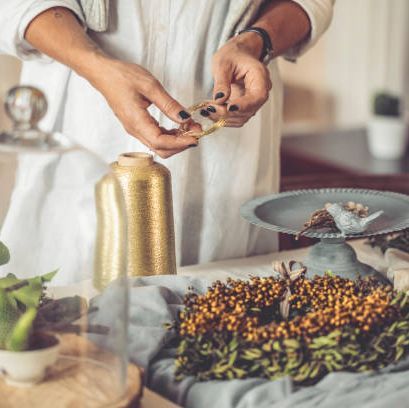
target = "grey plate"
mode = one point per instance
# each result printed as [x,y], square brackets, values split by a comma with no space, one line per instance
[287,212]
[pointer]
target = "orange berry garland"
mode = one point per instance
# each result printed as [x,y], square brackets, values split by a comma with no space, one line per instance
[237,329]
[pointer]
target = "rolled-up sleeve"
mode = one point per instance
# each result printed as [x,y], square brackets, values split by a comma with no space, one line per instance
[320,14]
[16,15]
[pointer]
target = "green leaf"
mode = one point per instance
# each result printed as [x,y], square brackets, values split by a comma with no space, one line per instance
[292,343]
[240,373]
[399,353]
[9,315]
[232,358]
[4,254]
[48,277]
[315,370]
[277,346]
[233,344]
[29,295]
[19,338]
[8,280]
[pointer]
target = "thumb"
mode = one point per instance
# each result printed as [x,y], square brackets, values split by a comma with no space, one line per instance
[222,74]
[169,106]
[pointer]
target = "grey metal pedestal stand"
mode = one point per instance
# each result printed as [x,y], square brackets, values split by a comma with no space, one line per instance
[287,212]
[338,257]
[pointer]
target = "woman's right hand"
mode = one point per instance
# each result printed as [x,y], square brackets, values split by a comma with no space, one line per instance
[129,90]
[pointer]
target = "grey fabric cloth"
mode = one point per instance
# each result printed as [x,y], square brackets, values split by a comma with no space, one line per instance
[155,301]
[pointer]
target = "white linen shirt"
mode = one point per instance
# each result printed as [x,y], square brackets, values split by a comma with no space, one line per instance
[51,220]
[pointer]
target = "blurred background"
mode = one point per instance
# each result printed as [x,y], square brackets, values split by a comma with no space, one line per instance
[364,51]
[329,124]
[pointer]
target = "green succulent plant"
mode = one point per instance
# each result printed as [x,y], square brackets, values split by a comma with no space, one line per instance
[386,104]
[25,310]
[19,303]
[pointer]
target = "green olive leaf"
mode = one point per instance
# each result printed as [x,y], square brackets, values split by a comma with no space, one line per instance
[4,254]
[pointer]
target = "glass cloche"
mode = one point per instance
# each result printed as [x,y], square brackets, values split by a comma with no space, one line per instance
[64,313]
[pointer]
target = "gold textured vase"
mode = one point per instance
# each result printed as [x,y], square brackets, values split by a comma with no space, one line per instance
[148,245]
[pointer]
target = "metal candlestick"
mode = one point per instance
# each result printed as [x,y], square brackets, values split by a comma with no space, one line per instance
[287,212]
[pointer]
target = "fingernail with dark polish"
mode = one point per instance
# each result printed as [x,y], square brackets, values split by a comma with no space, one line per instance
[204,113]
[233,108]
[219,95]
[211,109]
[184,115]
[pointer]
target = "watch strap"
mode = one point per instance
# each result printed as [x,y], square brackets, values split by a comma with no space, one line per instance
[267,52]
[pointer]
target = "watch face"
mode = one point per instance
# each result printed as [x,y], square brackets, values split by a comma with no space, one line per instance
[268,57]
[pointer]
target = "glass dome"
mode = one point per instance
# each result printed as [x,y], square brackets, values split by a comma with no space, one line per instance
[63,334]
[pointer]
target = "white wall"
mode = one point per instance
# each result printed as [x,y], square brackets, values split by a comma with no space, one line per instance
[9,74]
[366,49]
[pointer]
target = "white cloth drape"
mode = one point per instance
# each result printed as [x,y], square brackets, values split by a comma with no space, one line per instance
[51,219]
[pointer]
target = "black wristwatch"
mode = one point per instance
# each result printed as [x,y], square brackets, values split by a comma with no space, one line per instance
[267,53]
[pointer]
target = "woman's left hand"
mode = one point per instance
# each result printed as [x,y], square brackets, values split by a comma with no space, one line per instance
[241,82]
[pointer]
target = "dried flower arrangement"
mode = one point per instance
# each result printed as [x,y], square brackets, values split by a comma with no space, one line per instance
[290,325]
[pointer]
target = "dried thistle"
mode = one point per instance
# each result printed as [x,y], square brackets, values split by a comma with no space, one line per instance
[288,274]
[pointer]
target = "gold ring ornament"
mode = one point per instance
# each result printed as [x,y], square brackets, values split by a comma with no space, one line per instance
[205,132]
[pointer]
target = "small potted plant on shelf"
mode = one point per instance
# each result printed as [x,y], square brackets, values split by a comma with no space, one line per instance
[387,132]
[28,321]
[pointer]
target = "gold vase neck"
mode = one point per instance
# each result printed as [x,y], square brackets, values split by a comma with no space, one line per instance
[135,159]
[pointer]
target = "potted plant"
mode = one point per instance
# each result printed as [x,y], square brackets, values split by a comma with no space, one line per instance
[387,132]
[28,321]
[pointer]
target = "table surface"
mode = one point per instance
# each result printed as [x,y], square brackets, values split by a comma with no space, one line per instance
[346,149]
[234,268]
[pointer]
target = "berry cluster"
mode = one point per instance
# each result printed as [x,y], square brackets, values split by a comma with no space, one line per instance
[294,326]
[317,307]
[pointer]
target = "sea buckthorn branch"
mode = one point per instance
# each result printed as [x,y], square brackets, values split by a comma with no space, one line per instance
[236,330]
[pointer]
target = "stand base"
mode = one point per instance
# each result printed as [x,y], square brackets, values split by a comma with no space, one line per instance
[340,258]
[35,141]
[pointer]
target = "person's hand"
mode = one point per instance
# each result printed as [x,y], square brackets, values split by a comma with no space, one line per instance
[129,90]
[241,82]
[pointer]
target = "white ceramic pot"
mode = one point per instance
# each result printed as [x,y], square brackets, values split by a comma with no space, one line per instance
[387,137]
[26,368]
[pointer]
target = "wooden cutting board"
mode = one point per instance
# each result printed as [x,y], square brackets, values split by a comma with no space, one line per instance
[76,381]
